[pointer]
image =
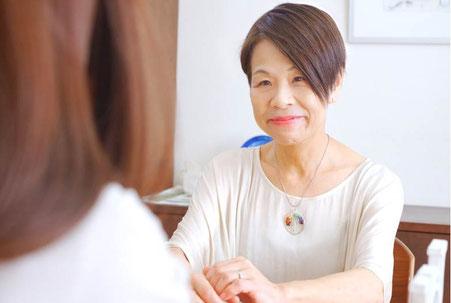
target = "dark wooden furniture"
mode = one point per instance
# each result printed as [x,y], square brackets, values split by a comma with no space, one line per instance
[169,215]
[404,262]
[419,225]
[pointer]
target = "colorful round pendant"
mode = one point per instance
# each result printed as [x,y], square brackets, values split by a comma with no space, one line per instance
[293,222]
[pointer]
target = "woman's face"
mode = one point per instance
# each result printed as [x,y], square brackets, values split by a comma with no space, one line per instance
[285,107]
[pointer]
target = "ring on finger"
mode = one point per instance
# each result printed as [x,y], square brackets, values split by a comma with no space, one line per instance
[240,275]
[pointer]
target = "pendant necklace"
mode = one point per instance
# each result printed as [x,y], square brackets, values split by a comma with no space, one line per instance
[293,220]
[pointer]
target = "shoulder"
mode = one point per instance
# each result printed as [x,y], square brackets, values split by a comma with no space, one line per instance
[230,163]
[130,242]
[122,210]
[369,175]
[379,187]
[234,157]
[230,168]
[119,242]
[377,175]
[122,232]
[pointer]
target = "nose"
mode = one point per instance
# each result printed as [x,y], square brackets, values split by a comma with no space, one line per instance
[283,97]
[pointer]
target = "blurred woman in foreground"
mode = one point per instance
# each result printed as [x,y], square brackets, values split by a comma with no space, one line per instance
[75,95]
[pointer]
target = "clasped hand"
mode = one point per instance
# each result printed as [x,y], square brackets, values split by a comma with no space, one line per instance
[233,281]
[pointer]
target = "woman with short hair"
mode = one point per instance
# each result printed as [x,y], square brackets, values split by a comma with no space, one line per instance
[303,218]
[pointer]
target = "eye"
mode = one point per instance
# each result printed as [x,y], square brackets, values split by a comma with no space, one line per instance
[264,83]
[298,79]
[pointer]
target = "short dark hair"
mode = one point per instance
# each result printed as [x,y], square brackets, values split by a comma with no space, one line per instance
[308,36]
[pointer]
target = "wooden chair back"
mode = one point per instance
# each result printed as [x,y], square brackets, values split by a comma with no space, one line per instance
[404,263]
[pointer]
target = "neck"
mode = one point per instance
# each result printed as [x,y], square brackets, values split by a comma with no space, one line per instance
[302,158]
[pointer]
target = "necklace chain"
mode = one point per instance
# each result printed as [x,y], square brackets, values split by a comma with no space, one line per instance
[308,185]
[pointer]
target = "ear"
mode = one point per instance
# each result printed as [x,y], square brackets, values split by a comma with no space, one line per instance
[336,90]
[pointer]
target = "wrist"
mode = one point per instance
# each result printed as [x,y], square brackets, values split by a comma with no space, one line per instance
[283,292]
[293,292]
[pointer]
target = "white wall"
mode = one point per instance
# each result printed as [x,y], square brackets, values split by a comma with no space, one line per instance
[394,106]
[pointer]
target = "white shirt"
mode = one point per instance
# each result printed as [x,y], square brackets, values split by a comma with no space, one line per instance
[116,253]
[237,211]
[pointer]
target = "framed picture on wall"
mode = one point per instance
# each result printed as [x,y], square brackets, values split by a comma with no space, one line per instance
[399,21]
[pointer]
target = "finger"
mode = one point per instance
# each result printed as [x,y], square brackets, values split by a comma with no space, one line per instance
[235,288]
[196,298]
[219,278]
[229,277]
[212,275]
[244,298]
[232,263]
[209,272]
[234,300]
[222,280]
[204,290]
[216,273]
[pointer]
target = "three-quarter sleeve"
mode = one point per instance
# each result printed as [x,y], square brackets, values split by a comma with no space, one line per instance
[196,233]
[376,231]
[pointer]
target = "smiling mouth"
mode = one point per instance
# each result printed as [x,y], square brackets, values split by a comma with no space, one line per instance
[284,120]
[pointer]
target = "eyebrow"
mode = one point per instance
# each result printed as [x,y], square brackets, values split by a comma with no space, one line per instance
[262,71]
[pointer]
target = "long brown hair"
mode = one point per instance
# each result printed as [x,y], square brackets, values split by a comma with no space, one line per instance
[308,36]
[72,117]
